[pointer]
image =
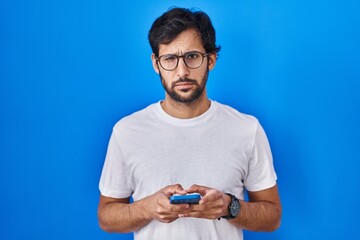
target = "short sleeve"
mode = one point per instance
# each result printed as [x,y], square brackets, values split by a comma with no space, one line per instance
[261,173]
[114,177]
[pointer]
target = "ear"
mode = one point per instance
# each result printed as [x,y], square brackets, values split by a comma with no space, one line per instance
[212,60]
[154,63]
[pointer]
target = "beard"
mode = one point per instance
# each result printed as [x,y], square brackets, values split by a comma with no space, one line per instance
[194,93]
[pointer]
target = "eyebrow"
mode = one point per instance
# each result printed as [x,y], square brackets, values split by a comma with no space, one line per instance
[181,54]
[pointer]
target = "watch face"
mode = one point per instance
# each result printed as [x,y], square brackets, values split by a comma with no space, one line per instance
[235,208]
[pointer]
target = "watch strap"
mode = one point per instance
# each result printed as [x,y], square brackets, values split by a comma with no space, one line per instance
[233,199]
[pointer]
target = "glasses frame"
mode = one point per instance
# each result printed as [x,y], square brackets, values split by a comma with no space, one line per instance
[203,55]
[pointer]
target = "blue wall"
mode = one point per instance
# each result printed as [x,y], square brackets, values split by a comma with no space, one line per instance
[70,69]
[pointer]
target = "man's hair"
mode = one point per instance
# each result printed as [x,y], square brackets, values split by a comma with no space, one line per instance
[176,20]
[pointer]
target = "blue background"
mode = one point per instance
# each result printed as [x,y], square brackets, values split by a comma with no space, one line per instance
[70,69]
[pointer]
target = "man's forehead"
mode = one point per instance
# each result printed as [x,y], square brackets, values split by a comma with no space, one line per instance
[188,40]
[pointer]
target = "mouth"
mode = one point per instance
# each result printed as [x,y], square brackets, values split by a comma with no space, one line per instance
[184,86]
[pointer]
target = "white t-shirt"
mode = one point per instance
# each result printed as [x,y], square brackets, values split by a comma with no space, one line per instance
[221,149]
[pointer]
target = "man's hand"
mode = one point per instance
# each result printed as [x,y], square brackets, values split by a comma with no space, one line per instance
[118,215]
[261,213]
[159,207]
[212,205]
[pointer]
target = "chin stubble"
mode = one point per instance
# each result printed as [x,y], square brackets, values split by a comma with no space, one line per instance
[189,99]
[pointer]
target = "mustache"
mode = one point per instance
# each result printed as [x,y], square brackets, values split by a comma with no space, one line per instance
[184,80]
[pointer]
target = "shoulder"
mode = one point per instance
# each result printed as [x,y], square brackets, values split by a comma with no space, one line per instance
[236,123]
[138,118]
[228,113]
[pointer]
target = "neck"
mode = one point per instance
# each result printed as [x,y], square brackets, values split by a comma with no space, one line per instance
[186,110]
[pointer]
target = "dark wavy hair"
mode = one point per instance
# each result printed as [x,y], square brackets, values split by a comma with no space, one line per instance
[176,20]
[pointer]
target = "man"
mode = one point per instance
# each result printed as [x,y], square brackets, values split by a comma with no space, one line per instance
[187,144]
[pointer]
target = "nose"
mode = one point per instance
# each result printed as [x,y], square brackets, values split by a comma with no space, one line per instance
[182,69]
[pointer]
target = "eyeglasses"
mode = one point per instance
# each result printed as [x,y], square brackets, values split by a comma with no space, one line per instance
[192,60]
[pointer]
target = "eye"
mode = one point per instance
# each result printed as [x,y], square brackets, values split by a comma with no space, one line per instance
[192,55]
[169,58]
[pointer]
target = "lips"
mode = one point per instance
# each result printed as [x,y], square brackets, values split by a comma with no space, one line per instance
[184,85]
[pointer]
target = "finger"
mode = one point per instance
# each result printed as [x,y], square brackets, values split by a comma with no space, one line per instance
[196,208]
[179,208]
[197,189]
[174,189]
[211,196]
[166,210]
[180,191]
[167,218]
[190,214]
[184,215]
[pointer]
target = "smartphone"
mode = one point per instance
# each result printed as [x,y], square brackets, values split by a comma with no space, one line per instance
[193,198]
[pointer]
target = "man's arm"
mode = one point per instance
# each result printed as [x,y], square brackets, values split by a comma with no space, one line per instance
[261,213]
[119,215]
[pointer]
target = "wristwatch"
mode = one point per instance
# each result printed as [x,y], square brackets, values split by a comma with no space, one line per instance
[233,208]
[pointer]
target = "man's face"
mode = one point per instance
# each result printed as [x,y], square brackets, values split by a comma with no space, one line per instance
[184,84]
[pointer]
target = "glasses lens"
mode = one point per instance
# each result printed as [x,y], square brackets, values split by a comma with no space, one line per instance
[193,59]
[168,62]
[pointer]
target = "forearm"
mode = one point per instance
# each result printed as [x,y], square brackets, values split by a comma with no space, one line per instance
[258,216]
[122,217]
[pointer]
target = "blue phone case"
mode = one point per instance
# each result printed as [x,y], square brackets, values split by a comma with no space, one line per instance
[182,199]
